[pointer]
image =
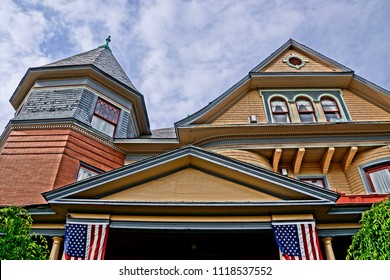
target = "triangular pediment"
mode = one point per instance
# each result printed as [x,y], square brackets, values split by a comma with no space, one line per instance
[282,60]
[310,63]
[191,185]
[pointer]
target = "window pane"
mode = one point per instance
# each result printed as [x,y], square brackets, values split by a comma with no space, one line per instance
[107,111]
[279,106]
[332,115]
[304,105]
[381,180]
[85,173]
[329,105]
[281,118]
[305,118]
[315,181]
[103,126]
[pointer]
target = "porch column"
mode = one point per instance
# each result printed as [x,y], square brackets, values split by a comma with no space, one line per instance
[328,248]
[55,249]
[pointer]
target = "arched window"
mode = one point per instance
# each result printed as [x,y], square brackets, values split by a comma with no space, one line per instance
[330,108]
[280,112]
[305,110]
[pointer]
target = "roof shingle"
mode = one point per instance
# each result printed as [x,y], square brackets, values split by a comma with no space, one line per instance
[101,58]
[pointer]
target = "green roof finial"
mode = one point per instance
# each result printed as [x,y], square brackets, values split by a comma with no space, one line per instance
[106,46]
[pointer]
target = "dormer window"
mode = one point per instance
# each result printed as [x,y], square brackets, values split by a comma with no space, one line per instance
[330,108]
[280,112]
[305,110]
[105,117]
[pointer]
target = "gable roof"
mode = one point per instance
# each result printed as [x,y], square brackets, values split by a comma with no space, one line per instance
[285,190]
[294,44]
[102,59]
[257,77]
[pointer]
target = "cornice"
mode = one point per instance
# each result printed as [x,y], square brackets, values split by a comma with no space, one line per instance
[70,124]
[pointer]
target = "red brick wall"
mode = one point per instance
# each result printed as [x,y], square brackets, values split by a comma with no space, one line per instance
[36,161]
[81,148]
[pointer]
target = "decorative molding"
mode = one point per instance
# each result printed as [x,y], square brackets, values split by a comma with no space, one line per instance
[295,61]
[72,126]
[211,139]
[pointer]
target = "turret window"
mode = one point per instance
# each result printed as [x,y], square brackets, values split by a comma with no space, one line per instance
[105,118]
[305,110]
[280,111]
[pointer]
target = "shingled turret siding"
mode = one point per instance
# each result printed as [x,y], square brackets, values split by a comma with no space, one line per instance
[47,104]
[85,109]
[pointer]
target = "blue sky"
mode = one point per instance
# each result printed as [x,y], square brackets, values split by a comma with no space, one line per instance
[182,54]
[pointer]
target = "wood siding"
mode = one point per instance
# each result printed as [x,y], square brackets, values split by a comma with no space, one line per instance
[246,156]
[250,104]
[362,110]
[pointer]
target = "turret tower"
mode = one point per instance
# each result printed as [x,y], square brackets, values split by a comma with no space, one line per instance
[68,114]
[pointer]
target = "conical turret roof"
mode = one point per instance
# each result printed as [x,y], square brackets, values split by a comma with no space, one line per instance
[102,58]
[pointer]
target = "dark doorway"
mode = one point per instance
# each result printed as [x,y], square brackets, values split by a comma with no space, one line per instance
[191,245]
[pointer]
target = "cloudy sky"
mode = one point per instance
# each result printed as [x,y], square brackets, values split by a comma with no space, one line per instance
[182,54]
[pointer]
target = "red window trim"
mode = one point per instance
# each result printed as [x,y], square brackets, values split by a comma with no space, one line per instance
[305,112]
[368,171]
[106,103]
[280,113]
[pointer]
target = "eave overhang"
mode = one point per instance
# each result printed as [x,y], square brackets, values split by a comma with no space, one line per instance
[64,206]
[201,134]
[68,72]
[147,145]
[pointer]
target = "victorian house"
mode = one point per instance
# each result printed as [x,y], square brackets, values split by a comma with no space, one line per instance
[299,140]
